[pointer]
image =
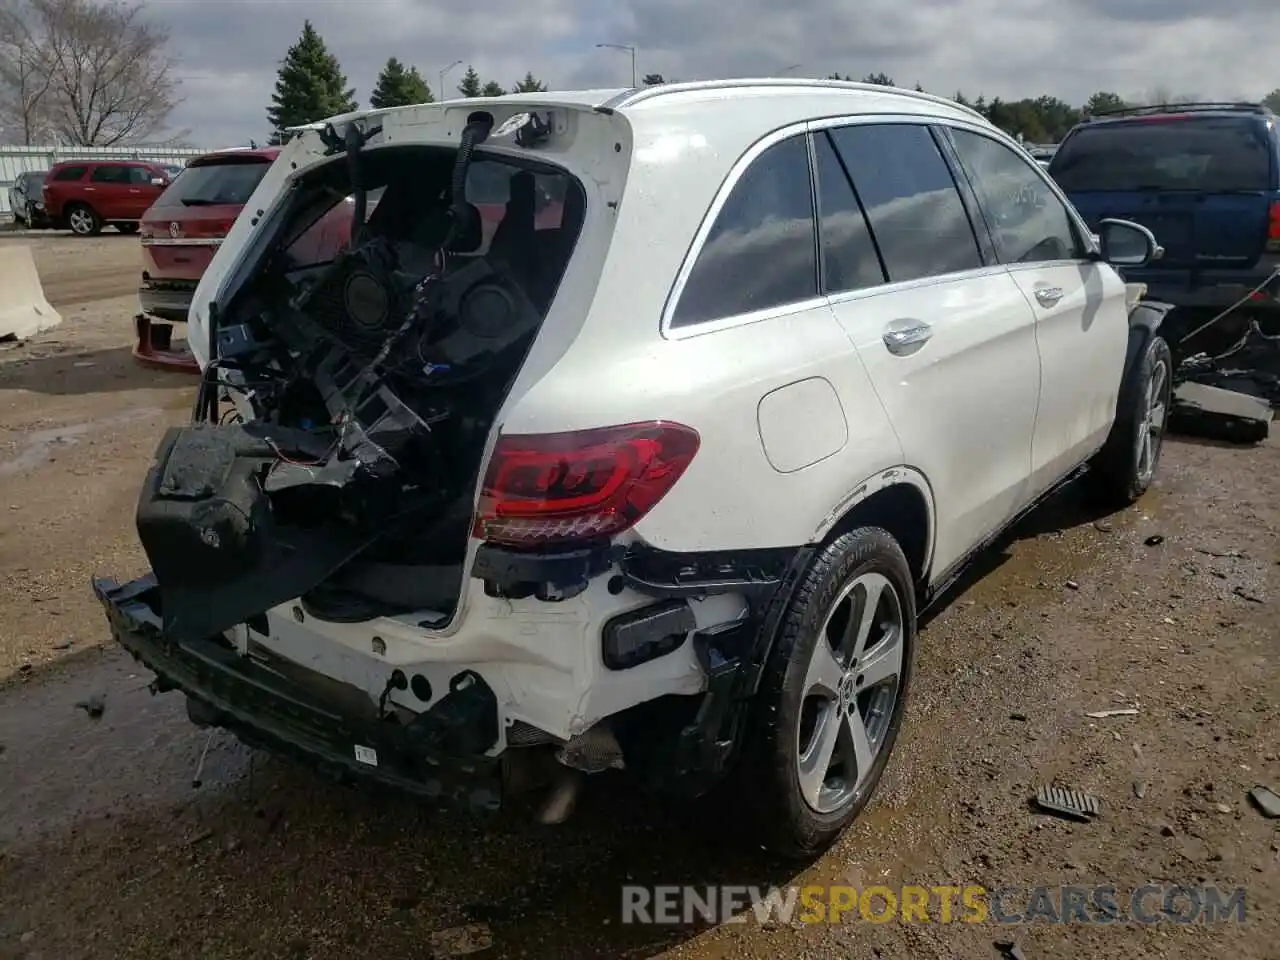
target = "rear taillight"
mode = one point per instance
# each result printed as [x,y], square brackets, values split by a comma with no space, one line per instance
[1273,229]
[558,487]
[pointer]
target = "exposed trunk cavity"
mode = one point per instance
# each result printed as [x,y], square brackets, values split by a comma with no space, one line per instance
[375,358]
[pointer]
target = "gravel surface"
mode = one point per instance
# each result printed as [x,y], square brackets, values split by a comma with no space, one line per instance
[108,850]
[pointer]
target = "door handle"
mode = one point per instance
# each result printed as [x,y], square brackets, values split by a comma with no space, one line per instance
[1048,296]
[900,339]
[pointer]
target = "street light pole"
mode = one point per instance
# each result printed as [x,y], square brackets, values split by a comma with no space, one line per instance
[442,75]
[625,48]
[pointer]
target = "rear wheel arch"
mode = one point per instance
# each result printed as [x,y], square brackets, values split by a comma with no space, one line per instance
[899,501]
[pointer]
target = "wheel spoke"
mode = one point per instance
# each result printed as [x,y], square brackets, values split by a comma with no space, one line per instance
[856,731]
[862,618]
[1158,414]
[883,662]
[824,672]
[816,759]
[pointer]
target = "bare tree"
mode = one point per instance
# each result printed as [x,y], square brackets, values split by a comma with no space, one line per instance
[24,80]
[93,72]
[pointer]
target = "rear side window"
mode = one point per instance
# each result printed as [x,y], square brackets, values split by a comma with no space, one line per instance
[1028,222]
[849,258]
[761,251]
[214,184]
[1205,153]
[911,199]
[69,173]
[141,174]
[110,174]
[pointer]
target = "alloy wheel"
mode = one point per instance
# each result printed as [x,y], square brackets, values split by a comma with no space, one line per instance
[850,691]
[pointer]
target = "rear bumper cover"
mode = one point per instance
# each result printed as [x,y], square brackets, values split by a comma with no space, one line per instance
[267,710]
[171,303]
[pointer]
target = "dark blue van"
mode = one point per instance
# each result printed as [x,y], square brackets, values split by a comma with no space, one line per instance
[1205,179]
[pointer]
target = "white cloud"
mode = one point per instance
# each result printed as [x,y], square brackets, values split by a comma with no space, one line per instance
[230,49]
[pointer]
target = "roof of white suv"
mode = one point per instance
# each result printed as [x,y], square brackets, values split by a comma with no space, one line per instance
[852,97]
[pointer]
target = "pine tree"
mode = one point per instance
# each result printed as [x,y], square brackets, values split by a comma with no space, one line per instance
[492,89]
[470,85]
[310,86]
[529,84]
[399,86]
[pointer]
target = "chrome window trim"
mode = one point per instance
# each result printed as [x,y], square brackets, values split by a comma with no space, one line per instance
[182,241]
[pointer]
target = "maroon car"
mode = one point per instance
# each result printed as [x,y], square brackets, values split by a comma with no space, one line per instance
[185,225]
[86,195]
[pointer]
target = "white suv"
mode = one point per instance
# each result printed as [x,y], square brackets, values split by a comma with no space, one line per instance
[650,466]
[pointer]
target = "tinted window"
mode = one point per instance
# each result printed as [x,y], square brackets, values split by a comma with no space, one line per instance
[70,173]
[916,213]
[110,174]
[760,252]
[849,258]
[142,174]
[1027,220]
[1206,153]
[215,183]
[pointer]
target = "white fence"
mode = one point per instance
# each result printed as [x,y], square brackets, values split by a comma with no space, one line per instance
[16,160]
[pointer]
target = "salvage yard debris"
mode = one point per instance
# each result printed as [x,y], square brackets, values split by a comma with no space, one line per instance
[1103,714]
[1267,802]
[1072,804]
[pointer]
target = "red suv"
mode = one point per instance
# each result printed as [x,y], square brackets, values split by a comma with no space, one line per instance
[186,224]
[87,195]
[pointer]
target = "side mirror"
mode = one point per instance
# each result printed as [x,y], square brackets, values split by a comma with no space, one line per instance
[159,182]
[1127,244]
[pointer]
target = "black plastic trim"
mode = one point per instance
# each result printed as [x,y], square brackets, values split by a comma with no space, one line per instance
[267,710]
[547,575]
[646,634]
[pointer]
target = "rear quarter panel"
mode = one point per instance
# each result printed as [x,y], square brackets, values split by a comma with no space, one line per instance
[619,367]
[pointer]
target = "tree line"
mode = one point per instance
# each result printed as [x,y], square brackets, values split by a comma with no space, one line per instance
[1046,119]
[310,86]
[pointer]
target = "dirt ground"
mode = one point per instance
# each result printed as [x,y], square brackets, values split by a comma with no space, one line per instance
[108,849]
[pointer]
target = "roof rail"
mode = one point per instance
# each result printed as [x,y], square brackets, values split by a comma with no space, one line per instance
[629,98]
[1158,108]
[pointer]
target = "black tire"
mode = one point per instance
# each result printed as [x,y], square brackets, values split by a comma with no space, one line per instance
[127,228]
[1120,473]
[83,220]
[784,820]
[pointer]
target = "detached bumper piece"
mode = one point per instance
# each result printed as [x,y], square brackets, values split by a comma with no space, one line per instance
[154,347]
[282,716]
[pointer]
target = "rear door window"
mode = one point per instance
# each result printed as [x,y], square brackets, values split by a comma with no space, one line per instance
[761,251]
[215,184]
[1028,222]
[110,173]
[1202,154]
[912,202]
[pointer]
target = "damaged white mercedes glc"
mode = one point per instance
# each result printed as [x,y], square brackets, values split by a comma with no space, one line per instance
[625,429]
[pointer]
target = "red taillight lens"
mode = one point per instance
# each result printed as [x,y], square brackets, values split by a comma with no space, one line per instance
[557,487]
[1273,227]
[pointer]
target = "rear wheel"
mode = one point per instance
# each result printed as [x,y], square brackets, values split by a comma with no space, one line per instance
[1123,469]
[832,698]
[83,221]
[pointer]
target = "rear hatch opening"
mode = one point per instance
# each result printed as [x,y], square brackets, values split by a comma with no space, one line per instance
[372,350]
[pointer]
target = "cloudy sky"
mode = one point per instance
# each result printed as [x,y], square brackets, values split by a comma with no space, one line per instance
[229,49]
